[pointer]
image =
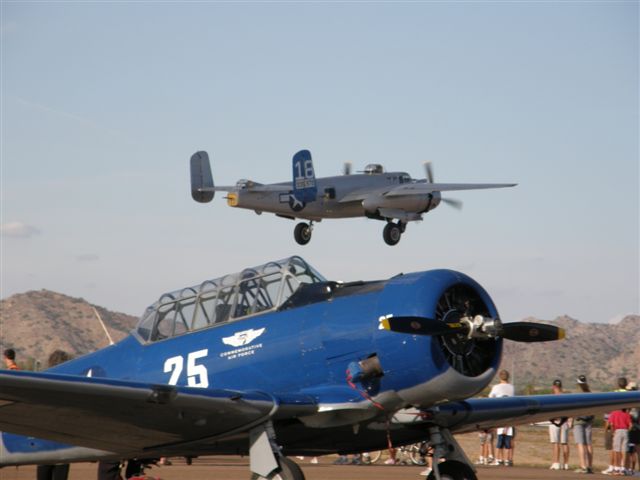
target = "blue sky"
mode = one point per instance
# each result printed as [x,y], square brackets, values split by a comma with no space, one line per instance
[103,104]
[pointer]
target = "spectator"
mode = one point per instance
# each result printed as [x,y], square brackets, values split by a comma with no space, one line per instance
[58,471]
[486,443]
[621,383]
[9,357]
[620,423]
[559,435]
[633,452]
[582,434]
[504,454]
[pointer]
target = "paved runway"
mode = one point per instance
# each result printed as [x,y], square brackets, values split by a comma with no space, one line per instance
[233,468]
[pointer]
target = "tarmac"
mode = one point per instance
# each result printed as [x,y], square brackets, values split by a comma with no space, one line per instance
[235,468]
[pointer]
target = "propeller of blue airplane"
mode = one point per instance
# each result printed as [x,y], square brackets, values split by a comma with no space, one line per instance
[346,168]
[476,327]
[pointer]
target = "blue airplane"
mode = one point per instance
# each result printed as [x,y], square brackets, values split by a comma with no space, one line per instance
[276,361]
[374,193]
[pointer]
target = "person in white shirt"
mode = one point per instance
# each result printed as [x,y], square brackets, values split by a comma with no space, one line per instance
[505,435]
[559,434]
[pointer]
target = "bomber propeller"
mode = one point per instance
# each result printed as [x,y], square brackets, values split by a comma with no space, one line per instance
[477,327]
[429,178]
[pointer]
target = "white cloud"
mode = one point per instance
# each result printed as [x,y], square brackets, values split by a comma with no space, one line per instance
[18,230]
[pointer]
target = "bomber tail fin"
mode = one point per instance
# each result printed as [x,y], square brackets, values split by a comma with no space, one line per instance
[304,177]
[202,189]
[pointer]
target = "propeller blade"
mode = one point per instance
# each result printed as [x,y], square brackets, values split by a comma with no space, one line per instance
[531,332]
[428,171]
[346,168]
[452,202]
[420,326]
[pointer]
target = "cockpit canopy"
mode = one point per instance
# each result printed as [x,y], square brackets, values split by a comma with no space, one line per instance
[234,296]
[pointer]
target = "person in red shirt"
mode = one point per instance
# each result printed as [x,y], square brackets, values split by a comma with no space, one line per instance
[620,423]
[9,356]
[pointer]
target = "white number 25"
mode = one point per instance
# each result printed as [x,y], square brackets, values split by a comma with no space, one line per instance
[197,375]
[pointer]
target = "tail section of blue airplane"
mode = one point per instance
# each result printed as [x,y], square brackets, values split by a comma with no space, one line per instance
[304,181]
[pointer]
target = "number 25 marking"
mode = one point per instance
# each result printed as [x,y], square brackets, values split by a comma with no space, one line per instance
[197,375]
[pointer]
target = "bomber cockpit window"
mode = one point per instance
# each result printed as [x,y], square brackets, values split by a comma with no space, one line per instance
[250,292]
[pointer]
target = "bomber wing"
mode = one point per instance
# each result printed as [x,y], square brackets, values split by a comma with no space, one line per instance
[424,188]
[417,188]
[128,417]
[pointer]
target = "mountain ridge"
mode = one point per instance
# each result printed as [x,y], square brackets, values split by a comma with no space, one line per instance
[37,322]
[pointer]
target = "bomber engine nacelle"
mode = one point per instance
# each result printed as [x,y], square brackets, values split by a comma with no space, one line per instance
[409,203]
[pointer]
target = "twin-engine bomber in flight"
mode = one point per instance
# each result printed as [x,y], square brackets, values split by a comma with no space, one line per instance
[276,361]
[394,197]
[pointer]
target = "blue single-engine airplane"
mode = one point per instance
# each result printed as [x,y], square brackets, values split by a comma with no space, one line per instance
[276,361]
[373,193]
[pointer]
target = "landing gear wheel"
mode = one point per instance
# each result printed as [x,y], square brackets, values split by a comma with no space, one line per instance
[302,233]
[289,470]
[391,233]
[453,470]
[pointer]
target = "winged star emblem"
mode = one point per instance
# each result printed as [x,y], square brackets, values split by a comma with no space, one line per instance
[245,337]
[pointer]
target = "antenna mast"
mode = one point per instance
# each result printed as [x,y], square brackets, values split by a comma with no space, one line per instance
[103,325]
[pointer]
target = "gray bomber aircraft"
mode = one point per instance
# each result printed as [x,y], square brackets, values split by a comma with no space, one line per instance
[394,197]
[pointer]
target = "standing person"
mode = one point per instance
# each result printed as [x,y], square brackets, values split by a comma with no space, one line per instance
[634,436]
[59,471]
[620,424]
[504,455]
[9,357]
[559,434]
[582,434]
[486,441]
[621,384]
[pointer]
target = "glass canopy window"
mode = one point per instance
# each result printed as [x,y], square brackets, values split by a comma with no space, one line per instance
[239,295]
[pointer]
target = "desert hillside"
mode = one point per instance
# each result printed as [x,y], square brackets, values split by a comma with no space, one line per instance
[37,322]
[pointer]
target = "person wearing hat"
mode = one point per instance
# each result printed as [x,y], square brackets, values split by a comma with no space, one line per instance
[559,434]
[582,433]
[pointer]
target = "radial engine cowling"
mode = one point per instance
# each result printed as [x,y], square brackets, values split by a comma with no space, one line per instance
[444,364]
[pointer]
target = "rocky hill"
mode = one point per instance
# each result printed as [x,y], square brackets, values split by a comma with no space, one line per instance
[37,322]
[600,351]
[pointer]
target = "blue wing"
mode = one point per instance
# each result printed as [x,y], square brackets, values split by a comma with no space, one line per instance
[483,413]
[129,417]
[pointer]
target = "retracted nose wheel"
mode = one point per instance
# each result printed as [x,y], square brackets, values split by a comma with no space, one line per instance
[302,233]
[392,233]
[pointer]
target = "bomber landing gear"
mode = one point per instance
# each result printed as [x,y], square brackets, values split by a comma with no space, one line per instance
[393,232]
[302,232]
